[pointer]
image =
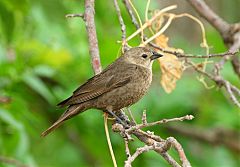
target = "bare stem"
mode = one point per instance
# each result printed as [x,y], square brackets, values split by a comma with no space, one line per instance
[140,150]
[75,15]
[143,125]
[120,19]
[92,36]
[231,89]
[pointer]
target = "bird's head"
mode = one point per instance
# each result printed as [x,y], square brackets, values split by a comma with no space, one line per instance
[141,56]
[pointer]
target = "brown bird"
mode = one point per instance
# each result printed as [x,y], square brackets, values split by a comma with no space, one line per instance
[120,85]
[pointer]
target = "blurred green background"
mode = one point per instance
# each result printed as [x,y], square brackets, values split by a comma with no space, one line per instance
[44,57]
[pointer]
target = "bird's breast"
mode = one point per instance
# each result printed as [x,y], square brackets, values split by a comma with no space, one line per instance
[141,83]
[128,94]
[134,90]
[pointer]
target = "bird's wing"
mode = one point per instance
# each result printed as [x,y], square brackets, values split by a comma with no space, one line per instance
[99,84]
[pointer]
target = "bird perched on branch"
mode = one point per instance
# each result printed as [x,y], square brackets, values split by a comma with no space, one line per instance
[120,85]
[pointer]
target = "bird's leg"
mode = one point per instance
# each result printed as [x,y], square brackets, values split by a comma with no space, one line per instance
[121,114]
[117,118]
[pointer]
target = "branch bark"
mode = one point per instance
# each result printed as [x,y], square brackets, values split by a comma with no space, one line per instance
[123,26]
[154,142]
[92,36]
[88,17]
[145,124]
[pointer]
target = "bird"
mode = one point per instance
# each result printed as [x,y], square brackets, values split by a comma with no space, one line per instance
[119,85]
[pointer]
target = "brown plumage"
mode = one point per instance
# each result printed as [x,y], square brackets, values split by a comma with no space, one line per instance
[120,85]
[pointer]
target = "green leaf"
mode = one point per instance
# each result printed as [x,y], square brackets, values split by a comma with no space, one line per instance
[44,70]
[23,140]
[7,23]
[22,145]
[38,85]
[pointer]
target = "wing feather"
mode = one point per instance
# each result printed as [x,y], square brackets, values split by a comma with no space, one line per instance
[98,85]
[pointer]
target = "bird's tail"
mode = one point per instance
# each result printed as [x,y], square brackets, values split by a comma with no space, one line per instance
[69,113]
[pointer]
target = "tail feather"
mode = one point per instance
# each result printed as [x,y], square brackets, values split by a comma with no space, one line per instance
[69,113]
[53,127]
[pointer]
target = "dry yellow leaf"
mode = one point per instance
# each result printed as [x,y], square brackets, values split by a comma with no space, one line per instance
[170,66]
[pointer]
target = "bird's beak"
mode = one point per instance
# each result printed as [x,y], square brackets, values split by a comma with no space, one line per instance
[155,55]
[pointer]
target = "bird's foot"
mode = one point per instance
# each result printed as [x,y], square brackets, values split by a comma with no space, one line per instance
[123,123]
[119,120]
[121,114]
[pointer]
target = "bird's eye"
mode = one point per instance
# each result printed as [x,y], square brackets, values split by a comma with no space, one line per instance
[144,56]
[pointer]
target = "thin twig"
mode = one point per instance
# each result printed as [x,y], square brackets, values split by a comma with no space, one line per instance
[144,118]
[207,56]
[140,150]
[235,90]
[147,24]
[130,12]
[170,160]
[233,47]
[138,18]
[151,135]
[131,115]
[236,46]
[75,15]
[127,150]
[171,17]
[177,146]
[220,82]
[181,55]
[120,19]
[143,125]
[232,96]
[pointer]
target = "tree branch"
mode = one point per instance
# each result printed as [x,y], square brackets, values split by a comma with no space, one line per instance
[123,27]
[140,150]
[88,18]
[154,142]
[131,14]
[232,90]
[92,35]
[75,15]
[143,125]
